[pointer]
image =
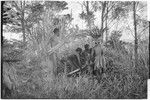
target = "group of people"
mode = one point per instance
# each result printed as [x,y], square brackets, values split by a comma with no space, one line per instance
[86,58]
[83,60]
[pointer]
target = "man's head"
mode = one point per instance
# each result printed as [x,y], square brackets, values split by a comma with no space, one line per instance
[86,46]
[78,50]
[56,31]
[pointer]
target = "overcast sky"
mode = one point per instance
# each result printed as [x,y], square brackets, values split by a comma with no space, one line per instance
[76,8]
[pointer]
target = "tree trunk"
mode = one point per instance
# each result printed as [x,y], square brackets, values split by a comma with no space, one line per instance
[87,7]
[87,10]
[102,18]
[100,59]
[135,32]
[23,31]
[106,21]
[22,21]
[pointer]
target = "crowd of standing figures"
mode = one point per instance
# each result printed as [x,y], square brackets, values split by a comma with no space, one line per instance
[84,60]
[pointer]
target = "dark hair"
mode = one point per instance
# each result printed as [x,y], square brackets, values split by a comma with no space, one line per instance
[86,45]
[56,31]
[79,49]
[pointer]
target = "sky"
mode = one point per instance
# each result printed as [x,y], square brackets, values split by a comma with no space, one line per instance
[76,8]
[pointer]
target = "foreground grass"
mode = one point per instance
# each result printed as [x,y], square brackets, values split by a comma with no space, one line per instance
[112,86]
[121,81]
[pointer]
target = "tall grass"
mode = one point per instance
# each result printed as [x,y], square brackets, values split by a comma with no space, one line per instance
[121,82]
[35,80]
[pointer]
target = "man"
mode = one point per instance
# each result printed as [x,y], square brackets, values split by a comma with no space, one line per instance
[73,61]
[80,57]
[89,54]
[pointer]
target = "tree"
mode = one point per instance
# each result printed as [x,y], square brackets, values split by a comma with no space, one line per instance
[88,16]
[21,16]
[106,9]
[102,16]
[135,32]
[47,34]
[56,5]
[106,20]
[24,14]
[121,11]
[5,17]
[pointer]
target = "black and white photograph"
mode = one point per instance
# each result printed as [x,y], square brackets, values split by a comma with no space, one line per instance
[74,49]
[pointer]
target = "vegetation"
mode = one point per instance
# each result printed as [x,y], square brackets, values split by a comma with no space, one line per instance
[39,66]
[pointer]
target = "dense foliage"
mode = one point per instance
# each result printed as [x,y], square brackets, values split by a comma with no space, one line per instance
[37,69]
